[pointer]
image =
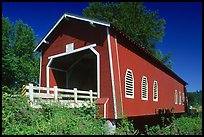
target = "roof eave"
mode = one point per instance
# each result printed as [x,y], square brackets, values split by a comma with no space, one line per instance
[150,55]
[44,39]
[68,15]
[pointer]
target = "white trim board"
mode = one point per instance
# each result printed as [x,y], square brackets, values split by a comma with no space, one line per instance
[44,39]
[120,87]
[104,108]
[88,20]
[40,68]
[112,74]
[98,70]
[47,74]
[65,15]
[74,51]
[91,47]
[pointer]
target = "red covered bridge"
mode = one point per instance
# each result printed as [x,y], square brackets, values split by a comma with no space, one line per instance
[93,55]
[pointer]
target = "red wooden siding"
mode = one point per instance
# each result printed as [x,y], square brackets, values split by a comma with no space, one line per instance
[115,61]
[123,56]
[103,108]
[105,78]
[81,34]
[140,67]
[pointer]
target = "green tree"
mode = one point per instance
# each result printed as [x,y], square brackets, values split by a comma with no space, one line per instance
[195,98]
[141,24]
[20,65]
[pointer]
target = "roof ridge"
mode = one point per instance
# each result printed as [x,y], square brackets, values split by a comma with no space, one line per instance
[81,16]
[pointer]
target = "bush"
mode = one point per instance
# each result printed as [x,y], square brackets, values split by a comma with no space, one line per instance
[18,118]
[185,125]
[189,125]
[125,127]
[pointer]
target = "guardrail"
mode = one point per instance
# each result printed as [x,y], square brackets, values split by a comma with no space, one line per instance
[59,94]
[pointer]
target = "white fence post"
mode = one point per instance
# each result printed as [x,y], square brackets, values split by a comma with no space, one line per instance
[75,95]
[48,90]
[31,93]
[55,93]
[91,96]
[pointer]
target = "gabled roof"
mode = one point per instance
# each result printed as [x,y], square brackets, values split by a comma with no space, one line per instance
[66,16]
[105,24]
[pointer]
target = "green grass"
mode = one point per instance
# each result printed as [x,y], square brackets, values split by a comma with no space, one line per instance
[187,124]
[18,118]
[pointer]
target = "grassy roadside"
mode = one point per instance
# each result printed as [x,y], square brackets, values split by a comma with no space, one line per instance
[187,124]
[18,118]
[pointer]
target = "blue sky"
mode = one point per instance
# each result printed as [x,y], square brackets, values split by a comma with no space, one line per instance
[183,33]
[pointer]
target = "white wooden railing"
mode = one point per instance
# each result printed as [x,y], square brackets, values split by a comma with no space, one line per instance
[74,96]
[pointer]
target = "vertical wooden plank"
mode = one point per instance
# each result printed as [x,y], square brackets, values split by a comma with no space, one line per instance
[55,93]
[31,93]
[91,96]
[75,95]
[48,90]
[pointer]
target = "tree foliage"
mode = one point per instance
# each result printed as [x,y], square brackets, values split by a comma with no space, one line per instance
[141,24]
[19,62]
[195,98]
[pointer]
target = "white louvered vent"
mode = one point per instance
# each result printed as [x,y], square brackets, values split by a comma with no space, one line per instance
[129,84]
[70,47]
[176,97]
[183,99]
[144,88]
[155,91]
[179,97]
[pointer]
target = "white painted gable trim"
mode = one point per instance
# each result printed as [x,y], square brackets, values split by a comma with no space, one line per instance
[76,50]
[89,20]
[70,16]
[44,39]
